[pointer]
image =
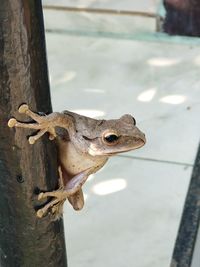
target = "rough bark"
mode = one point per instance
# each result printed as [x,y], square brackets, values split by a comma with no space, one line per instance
[25,240]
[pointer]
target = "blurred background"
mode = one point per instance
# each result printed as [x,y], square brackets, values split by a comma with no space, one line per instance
[107,58]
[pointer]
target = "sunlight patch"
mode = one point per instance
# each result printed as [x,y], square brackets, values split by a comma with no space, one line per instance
[197,61]
[109,187]
[162,62]
[66,77]
[173,99]
[94,90]
[147,95]
[92,113]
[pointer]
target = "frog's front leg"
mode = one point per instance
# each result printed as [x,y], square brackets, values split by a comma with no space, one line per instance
[72,189]
[44,124]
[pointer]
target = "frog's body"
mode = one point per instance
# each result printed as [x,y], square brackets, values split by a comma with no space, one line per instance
[72,162]
[74,145]
[84,146]
[75,161]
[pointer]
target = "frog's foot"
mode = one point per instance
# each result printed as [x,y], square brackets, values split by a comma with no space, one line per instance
[43,124]
[59,196]
[55,205]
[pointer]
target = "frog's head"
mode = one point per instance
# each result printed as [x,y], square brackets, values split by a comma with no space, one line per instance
[110,137]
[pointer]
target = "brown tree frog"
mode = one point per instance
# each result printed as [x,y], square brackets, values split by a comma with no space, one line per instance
[84,146]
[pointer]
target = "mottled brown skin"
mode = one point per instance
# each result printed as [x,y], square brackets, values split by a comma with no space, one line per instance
[84,146]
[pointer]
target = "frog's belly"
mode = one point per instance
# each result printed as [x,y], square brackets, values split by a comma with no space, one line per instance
[73,161]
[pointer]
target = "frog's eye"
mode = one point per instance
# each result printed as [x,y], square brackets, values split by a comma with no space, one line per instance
[110,138]
[134,121]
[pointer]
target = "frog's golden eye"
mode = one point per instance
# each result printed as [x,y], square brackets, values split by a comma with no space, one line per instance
[110,138]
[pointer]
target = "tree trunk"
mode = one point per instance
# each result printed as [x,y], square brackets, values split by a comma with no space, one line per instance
[25,240]
[182,18]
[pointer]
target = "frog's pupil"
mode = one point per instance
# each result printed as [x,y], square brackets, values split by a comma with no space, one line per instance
[111,138]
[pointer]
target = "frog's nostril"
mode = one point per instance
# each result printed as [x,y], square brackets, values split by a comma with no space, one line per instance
[140,139]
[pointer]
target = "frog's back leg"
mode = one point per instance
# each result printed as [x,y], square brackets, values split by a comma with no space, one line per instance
[77,200]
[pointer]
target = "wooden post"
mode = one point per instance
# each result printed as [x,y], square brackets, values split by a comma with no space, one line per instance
[182,17]
[25,240]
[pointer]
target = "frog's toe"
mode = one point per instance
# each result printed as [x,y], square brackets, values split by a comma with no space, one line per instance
[54,207]
[23,108]
[40,213]
[12,122]
[52,136]
[41,196]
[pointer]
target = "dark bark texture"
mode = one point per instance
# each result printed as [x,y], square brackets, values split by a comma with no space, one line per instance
[25,240]
[182,17]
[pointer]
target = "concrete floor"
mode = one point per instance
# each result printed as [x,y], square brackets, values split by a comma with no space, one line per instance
[134,205]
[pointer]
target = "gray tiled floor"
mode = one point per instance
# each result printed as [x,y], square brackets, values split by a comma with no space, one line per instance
[134,204]
[114,77]
[134,226]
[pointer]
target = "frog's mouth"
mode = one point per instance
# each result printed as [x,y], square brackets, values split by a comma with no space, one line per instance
[119,151]
[114,150]
[138,143]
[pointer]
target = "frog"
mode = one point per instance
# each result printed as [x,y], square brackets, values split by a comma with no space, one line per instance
[84,146]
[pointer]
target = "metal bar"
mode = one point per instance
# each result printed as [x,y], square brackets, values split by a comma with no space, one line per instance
[100,11]
[25,240]
[186,239]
